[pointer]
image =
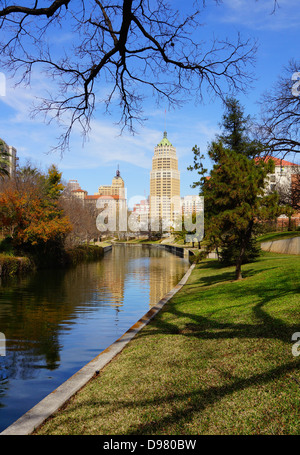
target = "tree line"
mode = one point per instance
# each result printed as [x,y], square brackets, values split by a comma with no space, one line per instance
[39,216]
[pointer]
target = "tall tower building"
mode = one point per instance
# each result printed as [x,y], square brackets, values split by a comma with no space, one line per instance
[165,183]
[117,185]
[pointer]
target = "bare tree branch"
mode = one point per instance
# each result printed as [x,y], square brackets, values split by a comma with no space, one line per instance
[50,11]
[129,49]
[279,126]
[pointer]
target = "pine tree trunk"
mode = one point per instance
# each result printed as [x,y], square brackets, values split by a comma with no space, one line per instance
[238,270]
[238,266]
[244,242]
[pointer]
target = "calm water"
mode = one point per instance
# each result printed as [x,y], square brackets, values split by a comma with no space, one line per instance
[56,321]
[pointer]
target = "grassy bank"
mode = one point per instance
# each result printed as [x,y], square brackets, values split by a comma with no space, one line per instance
[270,236]
[216,360]
[12,265]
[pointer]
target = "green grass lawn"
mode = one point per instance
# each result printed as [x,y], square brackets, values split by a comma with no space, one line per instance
[103,244]
[270,236]
[216,360]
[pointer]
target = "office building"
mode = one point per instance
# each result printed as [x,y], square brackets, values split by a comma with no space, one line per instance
[165,184]
[12,157]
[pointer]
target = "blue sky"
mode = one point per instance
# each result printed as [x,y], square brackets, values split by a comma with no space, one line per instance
[94,162]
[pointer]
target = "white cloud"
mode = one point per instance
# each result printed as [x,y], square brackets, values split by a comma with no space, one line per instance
[261,14]
[35,138]
[105,145]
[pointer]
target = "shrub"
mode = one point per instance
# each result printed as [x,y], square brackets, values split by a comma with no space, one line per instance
[11,266]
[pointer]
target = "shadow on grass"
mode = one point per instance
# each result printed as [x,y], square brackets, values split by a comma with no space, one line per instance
[221,278]
[265,325]
[228,275]
[200,399]
[261,325]
[184,405]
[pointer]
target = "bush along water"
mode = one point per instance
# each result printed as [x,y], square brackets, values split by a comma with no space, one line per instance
[23,260]
[11,265]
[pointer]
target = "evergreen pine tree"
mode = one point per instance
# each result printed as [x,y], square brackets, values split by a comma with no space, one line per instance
[234,197]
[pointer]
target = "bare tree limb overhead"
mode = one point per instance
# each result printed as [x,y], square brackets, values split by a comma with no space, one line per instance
[279,126]
[117,53]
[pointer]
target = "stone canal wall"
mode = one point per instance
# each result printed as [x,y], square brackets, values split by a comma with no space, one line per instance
[179,251]
[284,246]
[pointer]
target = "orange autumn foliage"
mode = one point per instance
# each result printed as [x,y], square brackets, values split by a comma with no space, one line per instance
[31,214]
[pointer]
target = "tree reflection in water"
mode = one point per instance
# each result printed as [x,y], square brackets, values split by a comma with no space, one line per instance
[58,320]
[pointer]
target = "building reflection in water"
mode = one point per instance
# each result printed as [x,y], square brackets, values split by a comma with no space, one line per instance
[55,321]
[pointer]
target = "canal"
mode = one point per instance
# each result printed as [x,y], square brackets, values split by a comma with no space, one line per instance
[56,321]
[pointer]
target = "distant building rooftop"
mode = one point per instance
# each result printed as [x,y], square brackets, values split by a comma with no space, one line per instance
[165,141]
[277,161]
[101,196]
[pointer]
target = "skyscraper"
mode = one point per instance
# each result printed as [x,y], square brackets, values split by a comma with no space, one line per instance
[165,183]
